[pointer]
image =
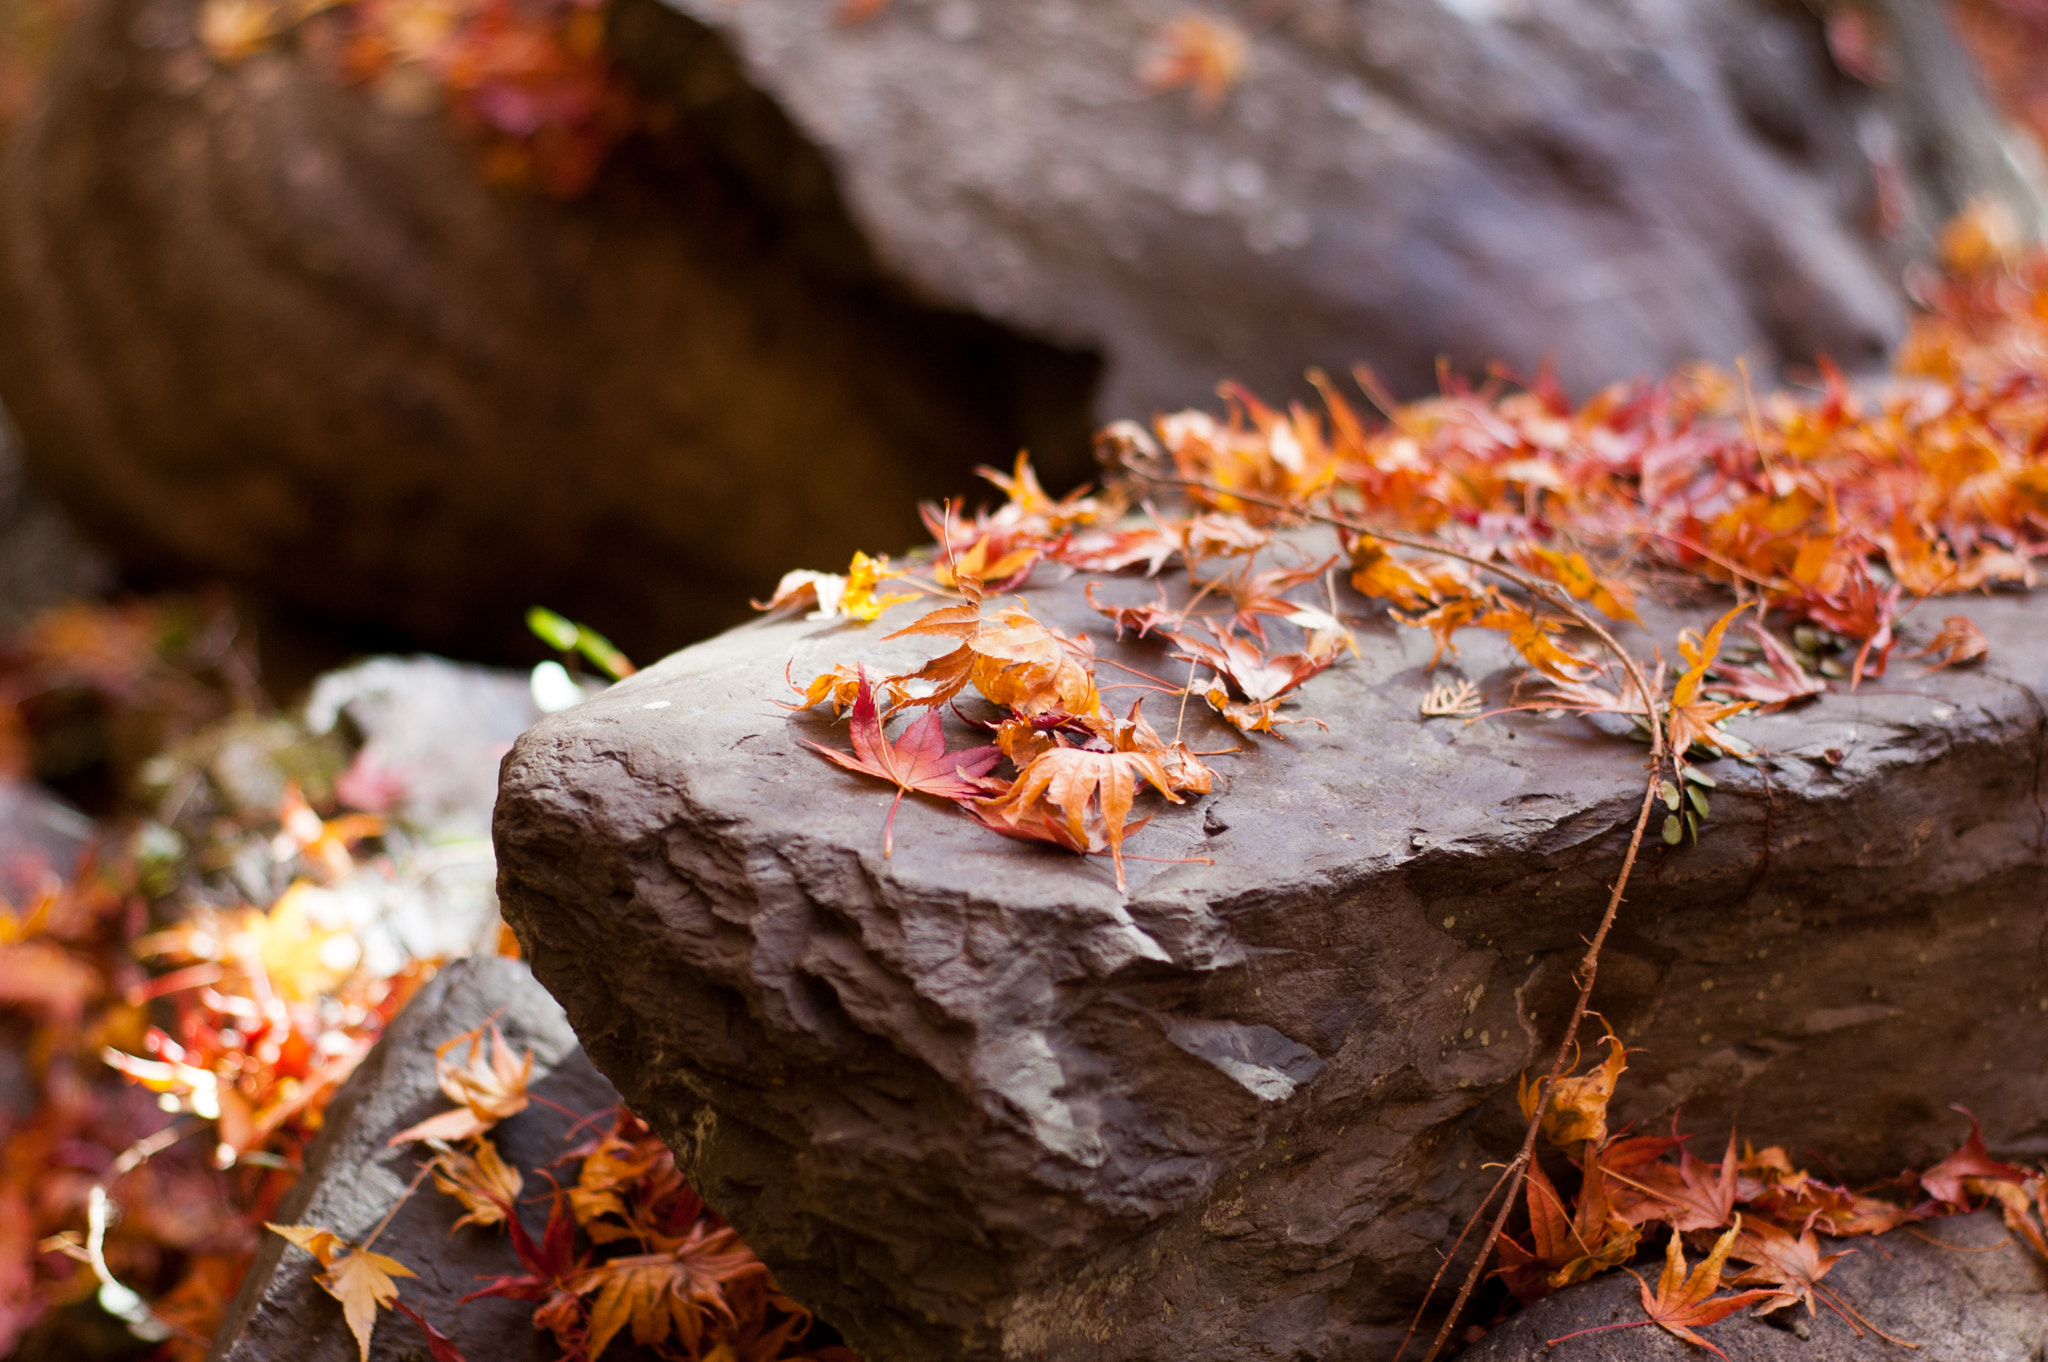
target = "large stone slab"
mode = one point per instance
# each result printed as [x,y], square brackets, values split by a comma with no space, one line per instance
[265,326]
[973,1103]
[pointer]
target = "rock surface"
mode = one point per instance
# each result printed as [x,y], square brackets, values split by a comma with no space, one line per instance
[1620,188]
[40,837]
[353,1179]
[1972,1294]
[971,1103]
[258,324]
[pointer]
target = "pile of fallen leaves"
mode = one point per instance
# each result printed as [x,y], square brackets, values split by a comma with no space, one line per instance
[1754,1207]
[1493,507]
[1826,515]
[628,1249]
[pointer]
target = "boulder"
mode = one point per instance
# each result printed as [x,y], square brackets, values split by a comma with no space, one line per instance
[353,1179]
[263,325]
[1393,181]
[1961,1290]
[970,1102]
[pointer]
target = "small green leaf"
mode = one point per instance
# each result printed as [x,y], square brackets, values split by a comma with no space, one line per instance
[552,629]
[602,654]
[1673,829]
[1668,792]
[1699,777]
[1692,825]
[1699,802]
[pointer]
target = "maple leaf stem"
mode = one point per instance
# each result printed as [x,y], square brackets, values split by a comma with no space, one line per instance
[889,825]
[1833,1300]
[1597,1329]
[396,1206]
[1180,720]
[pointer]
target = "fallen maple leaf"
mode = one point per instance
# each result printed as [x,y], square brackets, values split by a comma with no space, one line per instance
[359,1279]
[481,1180]
[1779,682]
[553,1269]
[1577,1111]
[1448,700]
[440,1347]
[490,1085]
[1684,1303]
[1089,792]
[1691,1196]
[916,761]
[1945,1181]
[851,595]
[1959,643]
[1198,50]
[1792,1264]
[674,1292]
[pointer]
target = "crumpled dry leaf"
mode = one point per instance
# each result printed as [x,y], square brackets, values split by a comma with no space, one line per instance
[1577,1112]
[490,1084]
[480,1179]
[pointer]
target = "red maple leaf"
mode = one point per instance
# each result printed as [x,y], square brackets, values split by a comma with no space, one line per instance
[916,761]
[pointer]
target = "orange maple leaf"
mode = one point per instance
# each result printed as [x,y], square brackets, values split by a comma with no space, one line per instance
[674,1292]
[480,1179]
[1203,51]
[1577,1111]
[489,1084]
[1088,793]
[1959,643]
[1686,1302]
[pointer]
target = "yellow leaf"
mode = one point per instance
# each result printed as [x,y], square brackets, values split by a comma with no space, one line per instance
[362,1282]
[359,1279]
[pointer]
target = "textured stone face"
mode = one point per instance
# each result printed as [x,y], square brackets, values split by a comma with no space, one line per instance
[1618,188]
[972,1103]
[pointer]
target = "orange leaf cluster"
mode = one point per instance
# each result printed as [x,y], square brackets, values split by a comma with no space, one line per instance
[630,1250]
[1767,1212]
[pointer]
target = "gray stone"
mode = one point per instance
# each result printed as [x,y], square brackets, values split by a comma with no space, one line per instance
[40,836]
[1962,1289]
[972,1103]
[353,1179]
[1620,188]
[432,731]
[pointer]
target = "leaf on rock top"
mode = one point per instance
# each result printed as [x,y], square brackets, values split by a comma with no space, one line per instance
[361,1280]
[916,761]
[490,1083]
